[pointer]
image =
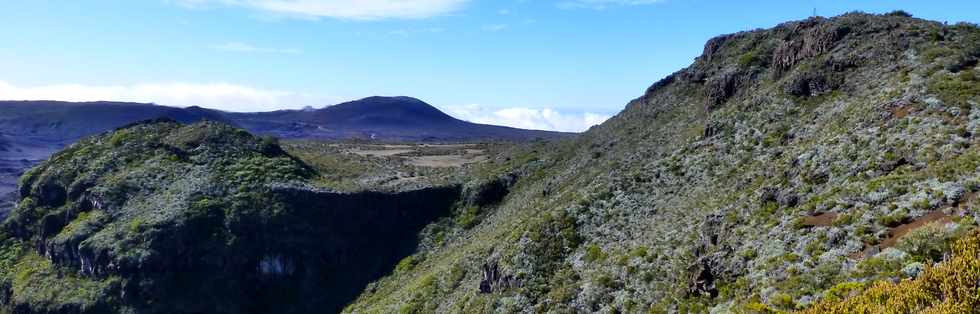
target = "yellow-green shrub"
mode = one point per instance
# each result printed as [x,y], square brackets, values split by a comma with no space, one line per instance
[952,286]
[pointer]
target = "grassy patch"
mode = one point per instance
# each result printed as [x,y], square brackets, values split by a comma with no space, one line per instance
[956,89]
[594,253]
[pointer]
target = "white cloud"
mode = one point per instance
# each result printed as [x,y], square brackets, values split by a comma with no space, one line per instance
[222,96]
[527,118]
[409,32]
[246,48]
[495,27]
[602,4]
[341,9]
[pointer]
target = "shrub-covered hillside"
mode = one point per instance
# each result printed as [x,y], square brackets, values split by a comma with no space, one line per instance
[160,217]
[785,166]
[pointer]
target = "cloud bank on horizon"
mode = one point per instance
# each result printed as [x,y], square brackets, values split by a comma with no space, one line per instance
[238,98]
[221,96]
[527,118]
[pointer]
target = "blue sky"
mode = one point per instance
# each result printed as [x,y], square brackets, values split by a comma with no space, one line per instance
[547,64]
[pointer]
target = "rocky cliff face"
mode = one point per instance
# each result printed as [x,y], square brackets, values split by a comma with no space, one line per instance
[784,166]
[202,218]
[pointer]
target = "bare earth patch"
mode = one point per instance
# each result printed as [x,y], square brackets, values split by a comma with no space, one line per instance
[425,155]
[380,152]
[820,220]
[445,161]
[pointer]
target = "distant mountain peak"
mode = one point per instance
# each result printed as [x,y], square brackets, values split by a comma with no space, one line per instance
[390,98]
[383,111]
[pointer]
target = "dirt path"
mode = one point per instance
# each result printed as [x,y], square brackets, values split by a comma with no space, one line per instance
[900,231]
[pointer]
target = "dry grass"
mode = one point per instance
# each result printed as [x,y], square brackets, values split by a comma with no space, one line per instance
[445,161]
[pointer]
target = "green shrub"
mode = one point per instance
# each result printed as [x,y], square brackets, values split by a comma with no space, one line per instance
[649,276]
[894,219]
[594,253]
[901,13]
[936,52]
[406,264]
[456,275]
[639,252]
[136,225]
[968,76]
[768,211]
[749,59]
[269,145]
[120,137]
[606,280]
[783,300]
[934,35]
[772,139]
[424,290]
[877,267]
[815,248]
[564,285]
[928,243]
[468,216]
[843,290]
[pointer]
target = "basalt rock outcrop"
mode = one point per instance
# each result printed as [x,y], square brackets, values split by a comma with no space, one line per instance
[805,40]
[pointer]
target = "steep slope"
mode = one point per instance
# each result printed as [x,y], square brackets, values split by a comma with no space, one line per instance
[159,217]
[784,166]
[8,175]
[385,118]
